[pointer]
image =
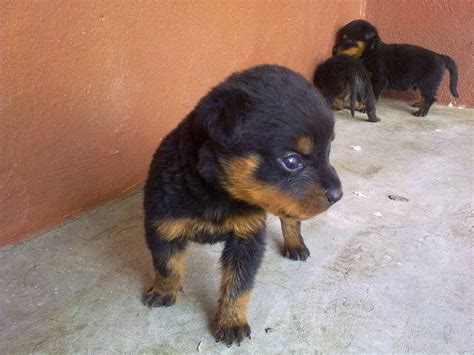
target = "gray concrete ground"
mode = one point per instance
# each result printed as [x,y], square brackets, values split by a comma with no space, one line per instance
[384,275]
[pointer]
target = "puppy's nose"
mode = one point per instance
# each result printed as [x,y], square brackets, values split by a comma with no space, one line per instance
[333,195]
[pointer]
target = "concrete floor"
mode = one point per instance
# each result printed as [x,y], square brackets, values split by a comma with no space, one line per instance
[384,275]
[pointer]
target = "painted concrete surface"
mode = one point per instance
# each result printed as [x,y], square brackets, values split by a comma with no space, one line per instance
[385,274]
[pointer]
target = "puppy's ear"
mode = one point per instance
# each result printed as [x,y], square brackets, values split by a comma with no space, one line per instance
[225,114]
[370,35]
[208,164]
[221,115]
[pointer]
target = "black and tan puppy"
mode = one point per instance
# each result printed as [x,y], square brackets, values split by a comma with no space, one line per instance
[343,79]
[258,142]
[397,66]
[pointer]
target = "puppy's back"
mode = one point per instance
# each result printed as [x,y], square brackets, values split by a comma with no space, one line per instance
[338,73]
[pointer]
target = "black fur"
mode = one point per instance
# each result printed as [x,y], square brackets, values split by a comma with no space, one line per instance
[259,112]
[244,256]
[345,77]
[398,66]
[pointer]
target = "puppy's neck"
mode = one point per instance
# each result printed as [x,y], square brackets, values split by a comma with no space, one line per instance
[376,46]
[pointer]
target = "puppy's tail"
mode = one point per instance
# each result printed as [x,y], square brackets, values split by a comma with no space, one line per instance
[453,75]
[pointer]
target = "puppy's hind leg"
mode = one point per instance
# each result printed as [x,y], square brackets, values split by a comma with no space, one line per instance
[294,247]
[428,89]
[169,257]
[337,104]
[372,116]
[360,107]
[420,102]
[428,98]
[370,106]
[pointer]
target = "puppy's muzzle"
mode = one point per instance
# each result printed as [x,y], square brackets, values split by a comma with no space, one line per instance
[333,195]
[332,185]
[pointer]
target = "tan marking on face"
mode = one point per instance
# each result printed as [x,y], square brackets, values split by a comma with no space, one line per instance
[354,51]
[242,226]
[240,182]
[305,145]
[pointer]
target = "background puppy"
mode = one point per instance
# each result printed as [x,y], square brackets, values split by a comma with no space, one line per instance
[258,142]
[343,77]
[397,66]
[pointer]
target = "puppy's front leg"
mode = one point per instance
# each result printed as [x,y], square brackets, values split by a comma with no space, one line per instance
[294,247]
[370,106]
[169,258]
[338,104]
[379,81]
[240,261]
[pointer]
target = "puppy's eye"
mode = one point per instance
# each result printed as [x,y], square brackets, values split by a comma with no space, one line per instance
[292,162]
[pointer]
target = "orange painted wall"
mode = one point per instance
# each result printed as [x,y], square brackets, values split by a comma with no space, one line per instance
[444,26]
[88,88]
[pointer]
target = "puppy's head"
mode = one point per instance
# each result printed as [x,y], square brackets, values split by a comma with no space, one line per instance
[269,138]
[355,38]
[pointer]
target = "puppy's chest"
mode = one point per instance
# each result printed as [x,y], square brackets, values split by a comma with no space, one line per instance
[205,230]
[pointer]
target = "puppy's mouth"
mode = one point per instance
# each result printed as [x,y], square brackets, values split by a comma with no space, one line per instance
[300,212]
[353,51]
[239,181]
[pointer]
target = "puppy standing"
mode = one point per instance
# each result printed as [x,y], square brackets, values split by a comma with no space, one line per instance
[258,142]
[342,77]
[397,66]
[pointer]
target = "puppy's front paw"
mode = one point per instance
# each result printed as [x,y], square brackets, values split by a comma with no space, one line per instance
[419,113]
[296,253]
[153,298]
[232,334]
[374,119]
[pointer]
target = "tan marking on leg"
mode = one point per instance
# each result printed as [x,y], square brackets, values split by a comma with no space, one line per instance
[291,233]
[231,311]
[338,103]
[359,106]
[421,100]
[240,182]
[172,285]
